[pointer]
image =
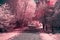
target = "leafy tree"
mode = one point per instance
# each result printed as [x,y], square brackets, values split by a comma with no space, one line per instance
[25,10]
[7,20]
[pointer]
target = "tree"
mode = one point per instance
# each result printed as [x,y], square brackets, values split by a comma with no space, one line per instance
[25,10]
[7,20]
[40,11]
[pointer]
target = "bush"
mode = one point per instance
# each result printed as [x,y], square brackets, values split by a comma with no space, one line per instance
[7,20]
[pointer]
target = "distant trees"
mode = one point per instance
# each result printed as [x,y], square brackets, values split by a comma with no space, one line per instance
[41,6]
[57,13]
[54,16]
[13,11]
[24,11]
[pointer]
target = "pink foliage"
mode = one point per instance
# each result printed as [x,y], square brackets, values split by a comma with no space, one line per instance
[25,9]
[6,17]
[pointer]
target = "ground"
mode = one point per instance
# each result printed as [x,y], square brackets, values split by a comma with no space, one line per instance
[18,35]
